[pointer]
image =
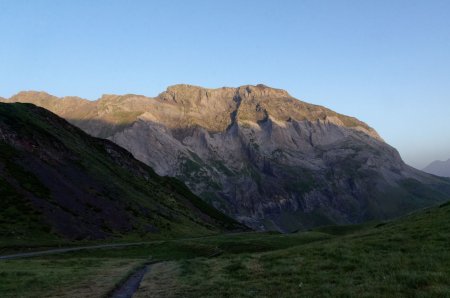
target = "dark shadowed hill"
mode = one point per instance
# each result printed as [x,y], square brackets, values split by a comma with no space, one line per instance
[258,154]
[57,180]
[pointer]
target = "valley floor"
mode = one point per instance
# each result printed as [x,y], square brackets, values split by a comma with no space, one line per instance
[408,257]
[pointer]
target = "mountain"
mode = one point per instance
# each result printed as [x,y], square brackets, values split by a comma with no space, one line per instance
[57,181]
[439,168]
[256,153]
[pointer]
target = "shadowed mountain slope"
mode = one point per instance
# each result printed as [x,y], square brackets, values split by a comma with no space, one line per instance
[258,154]
[439,168]
[56,180]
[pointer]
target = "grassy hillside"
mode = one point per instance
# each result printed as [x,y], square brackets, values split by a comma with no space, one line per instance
[58,182]
[407,257]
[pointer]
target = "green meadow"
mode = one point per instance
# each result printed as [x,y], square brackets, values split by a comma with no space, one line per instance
[407,257]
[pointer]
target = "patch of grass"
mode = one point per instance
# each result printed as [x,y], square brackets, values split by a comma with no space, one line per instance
[18,218]
[63,277]
[340,230]
[408,257]
[301,180]
[71,271]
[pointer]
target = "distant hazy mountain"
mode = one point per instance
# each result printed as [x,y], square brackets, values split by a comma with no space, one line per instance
[439,168]
[56,180]
[258,154]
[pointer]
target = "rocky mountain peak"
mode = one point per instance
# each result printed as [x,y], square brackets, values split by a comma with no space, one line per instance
[183,88]
[261,90]
[115,97]
[189,95]
[183,93]
[184,105]
[26,96]
[258,154]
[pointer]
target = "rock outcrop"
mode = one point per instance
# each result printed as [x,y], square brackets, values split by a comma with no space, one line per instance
[258,154]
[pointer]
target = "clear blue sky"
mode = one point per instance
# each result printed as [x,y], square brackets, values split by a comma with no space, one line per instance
[385,62]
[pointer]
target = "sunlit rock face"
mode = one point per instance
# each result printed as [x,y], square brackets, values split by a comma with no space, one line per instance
[258,154]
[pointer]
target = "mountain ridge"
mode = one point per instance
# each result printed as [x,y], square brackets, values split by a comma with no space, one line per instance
[439,168]
[57,181]
[172,95]
[256,153]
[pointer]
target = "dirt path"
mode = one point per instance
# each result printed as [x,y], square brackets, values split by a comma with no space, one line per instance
[69,249]
[130,286]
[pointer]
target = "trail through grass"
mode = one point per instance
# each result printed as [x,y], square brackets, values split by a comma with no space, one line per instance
[408,257]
